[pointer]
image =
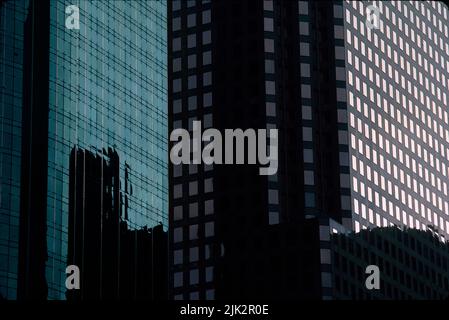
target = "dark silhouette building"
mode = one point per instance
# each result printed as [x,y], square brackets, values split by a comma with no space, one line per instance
[115,262]
[227,221]
[413,264]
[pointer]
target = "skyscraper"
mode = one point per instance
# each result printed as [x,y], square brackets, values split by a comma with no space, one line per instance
[391,62]
[71,95]
[228,222]
[397,115]
[362,142]
[12,43]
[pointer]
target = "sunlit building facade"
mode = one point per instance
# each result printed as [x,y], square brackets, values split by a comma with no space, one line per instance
[390,73]
[397,81]
[12,15]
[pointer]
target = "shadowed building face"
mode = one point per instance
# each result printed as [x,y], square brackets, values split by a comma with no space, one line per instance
[115,262]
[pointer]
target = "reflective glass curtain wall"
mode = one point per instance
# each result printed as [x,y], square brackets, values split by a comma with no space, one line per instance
[107,90]
[12,19]
[107,95]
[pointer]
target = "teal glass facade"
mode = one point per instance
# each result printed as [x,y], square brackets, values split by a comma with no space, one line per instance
[107,89]
[12,19]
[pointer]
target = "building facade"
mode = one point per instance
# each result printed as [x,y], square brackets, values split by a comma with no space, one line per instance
[391,85]
[397,82]
[360,108]
[198,64]
[225,227]
[12,42]
[97,90]
[412,264]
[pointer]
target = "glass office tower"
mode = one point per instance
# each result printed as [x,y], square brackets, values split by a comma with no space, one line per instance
[95,126]
[12,16]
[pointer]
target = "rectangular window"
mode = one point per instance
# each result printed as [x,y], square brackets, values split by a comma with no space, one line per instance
[207,99]
[271,109]
[269,45]
[270,88]
[193,232]
[268,24]
[191,20]
[177,106]
[177,257]
[207,58]
[176,64]
[177,235]
[177,213]
[177,191]
[273,218]
[207,79]
[308,155]
[192,103]
[309,178]
[206,16]
[191,83]
[191,61]
[304,49]
[269,66]
[305,70]
[194,276]
[273,197]
[208,207]
[209,229]
[176,44]
[303,28]
[191,41]
[176,24]
[206,37]
[208,185]
[193,254]
[193,188]
[193,210]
